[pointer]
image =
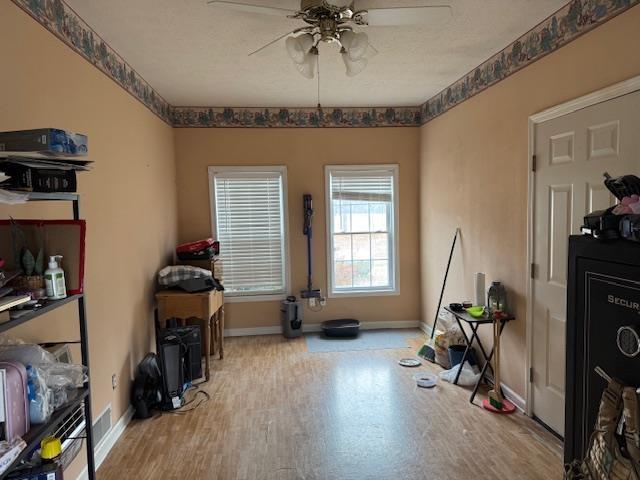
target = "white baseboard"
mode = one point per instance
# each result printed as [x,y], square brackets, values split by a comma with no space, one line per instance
[426,328]
[511,395]
[104,447]
[514,398]
[381,325]
[250,332]
[315,327]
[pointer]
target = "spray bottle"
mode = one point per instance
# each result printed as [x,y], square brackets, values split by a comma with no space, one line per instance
[54,279]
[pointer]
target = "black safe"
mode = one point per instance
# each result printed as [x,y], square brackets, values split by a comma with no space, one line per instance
[603,328]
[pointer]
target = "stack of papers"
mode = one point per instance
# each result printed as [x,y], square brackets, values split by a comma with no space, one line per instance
[13,301]
[40,160]
[13,198]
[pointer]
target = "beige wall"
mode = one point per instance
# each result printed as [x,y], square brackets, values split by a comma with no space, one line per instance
[305,153]
[471,164]
[473,171]
[128,200]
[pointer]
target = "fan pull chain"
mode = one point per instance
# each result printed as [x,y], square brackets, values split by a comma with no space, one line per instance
[318,68]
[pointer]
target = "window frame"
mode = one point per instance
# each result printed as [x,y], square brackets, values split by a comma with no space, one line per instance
[394,271]
[255,169]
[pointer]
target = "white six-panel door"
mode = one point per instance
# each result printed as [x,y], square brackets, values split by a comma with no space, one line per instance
[572,152]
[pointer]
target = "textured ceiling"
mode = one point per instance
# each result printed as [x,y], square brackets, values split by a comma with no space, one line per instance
[194,54]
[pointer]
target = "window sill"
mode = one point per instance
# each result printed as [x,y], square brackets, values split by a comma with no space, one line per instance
[365,293]
[254,298]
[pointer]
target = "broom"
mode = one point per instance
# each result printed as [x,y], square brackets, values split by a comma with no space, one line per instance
[427,351]
[495,396]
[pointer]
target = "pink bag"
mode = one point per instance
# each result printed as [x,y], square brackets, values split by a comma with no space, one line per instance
[16,399]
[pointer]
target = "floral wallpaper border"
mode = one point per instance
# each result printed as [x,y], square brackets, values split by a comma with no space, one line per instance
[295,117]
[568,23]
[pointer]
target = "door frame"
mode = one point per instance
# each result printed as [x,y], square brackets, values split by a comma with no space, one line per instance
[608,93]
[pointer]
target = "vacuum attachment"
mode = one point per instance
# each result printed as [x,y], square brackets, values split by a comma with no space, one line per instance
[623,186]
[630,227]
[605,224]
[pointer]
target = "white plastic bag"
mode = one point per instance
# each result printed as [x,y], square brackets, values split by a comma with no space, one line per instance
[26,354]
[40,397]
[446,321]
[61,378]
[449,334]
[468,376]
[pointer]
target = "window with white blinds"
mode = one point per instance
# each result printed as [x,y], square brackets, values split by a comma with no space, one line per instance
[250,223]
[362,205]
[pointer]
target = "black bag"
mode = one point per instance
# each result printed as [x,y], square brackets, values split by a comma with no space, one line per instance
[146,394]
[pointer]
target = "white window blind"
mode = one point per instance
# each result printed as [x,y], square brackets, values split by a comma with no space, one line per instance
[362,229]
[250,226]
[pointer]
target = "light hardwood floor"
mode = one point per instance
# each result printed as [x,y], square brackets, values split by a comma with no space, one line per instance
[278,412]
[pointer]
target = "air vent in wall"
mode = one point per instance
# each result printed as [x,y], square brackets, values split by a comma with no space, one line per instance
[102,426]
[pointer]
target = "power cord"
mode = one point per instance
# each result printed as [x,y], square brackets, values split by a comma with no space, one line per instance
[184,410]
[317,309]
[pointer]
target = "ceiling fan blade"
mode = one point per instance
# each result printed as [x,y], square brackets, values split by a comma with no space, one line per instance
[293,32]
[428,15]
[244,7]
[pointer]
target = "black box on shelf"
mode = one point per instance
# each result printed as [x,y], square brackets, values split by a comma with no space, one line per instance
[51,141]
[38,179]
[48,471]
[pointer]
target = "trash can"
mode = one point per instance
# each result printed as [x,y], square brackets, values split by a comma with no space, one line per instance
[291,314]
[456,352]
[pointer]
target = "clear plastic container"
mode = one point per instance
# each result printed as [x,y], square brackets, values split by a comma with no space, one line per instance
[497,298]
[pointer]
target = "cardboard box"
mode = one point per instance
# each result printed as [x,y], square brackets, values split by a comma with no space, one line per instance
[52,141]
[30,179]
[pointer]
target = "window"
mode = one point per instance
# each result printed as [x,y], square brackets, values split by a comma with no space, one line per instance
[362,205]
[249,217]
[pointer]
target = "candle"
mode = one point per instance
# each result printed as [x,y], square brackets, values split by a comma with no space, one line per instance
[480,289]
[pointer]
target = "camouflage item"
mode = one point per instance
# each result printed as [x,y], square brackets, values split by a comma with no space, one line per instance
[605,459]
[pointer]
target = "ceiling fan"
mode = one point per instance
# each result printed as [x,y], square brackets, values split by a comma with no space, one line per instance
[332,21]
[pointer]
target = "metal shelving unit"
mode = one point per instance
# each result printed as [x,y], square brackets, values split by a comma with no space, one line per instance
[38,432]
[49,306]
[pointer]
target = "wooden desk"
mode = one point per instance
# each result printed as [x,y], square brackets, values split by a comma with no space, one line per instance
[206,306]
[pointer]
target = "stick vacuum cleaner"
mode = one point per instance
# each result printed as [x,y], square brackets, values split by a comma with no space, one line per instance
[310,292]
[331,328]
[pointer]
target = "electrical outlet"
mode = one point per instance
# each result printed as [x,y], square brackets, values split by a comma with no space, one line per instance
[114,381]
[312,302]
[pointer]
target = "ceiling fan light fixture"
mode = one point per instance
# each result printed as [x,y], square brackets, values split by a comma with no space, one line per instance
[354,67]
[333,21]
[355,44]
[298,47]
[307,67]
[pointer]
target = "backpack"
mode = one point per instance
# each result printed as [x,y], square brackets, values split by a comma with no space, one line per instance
[146,391]
[614,447]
